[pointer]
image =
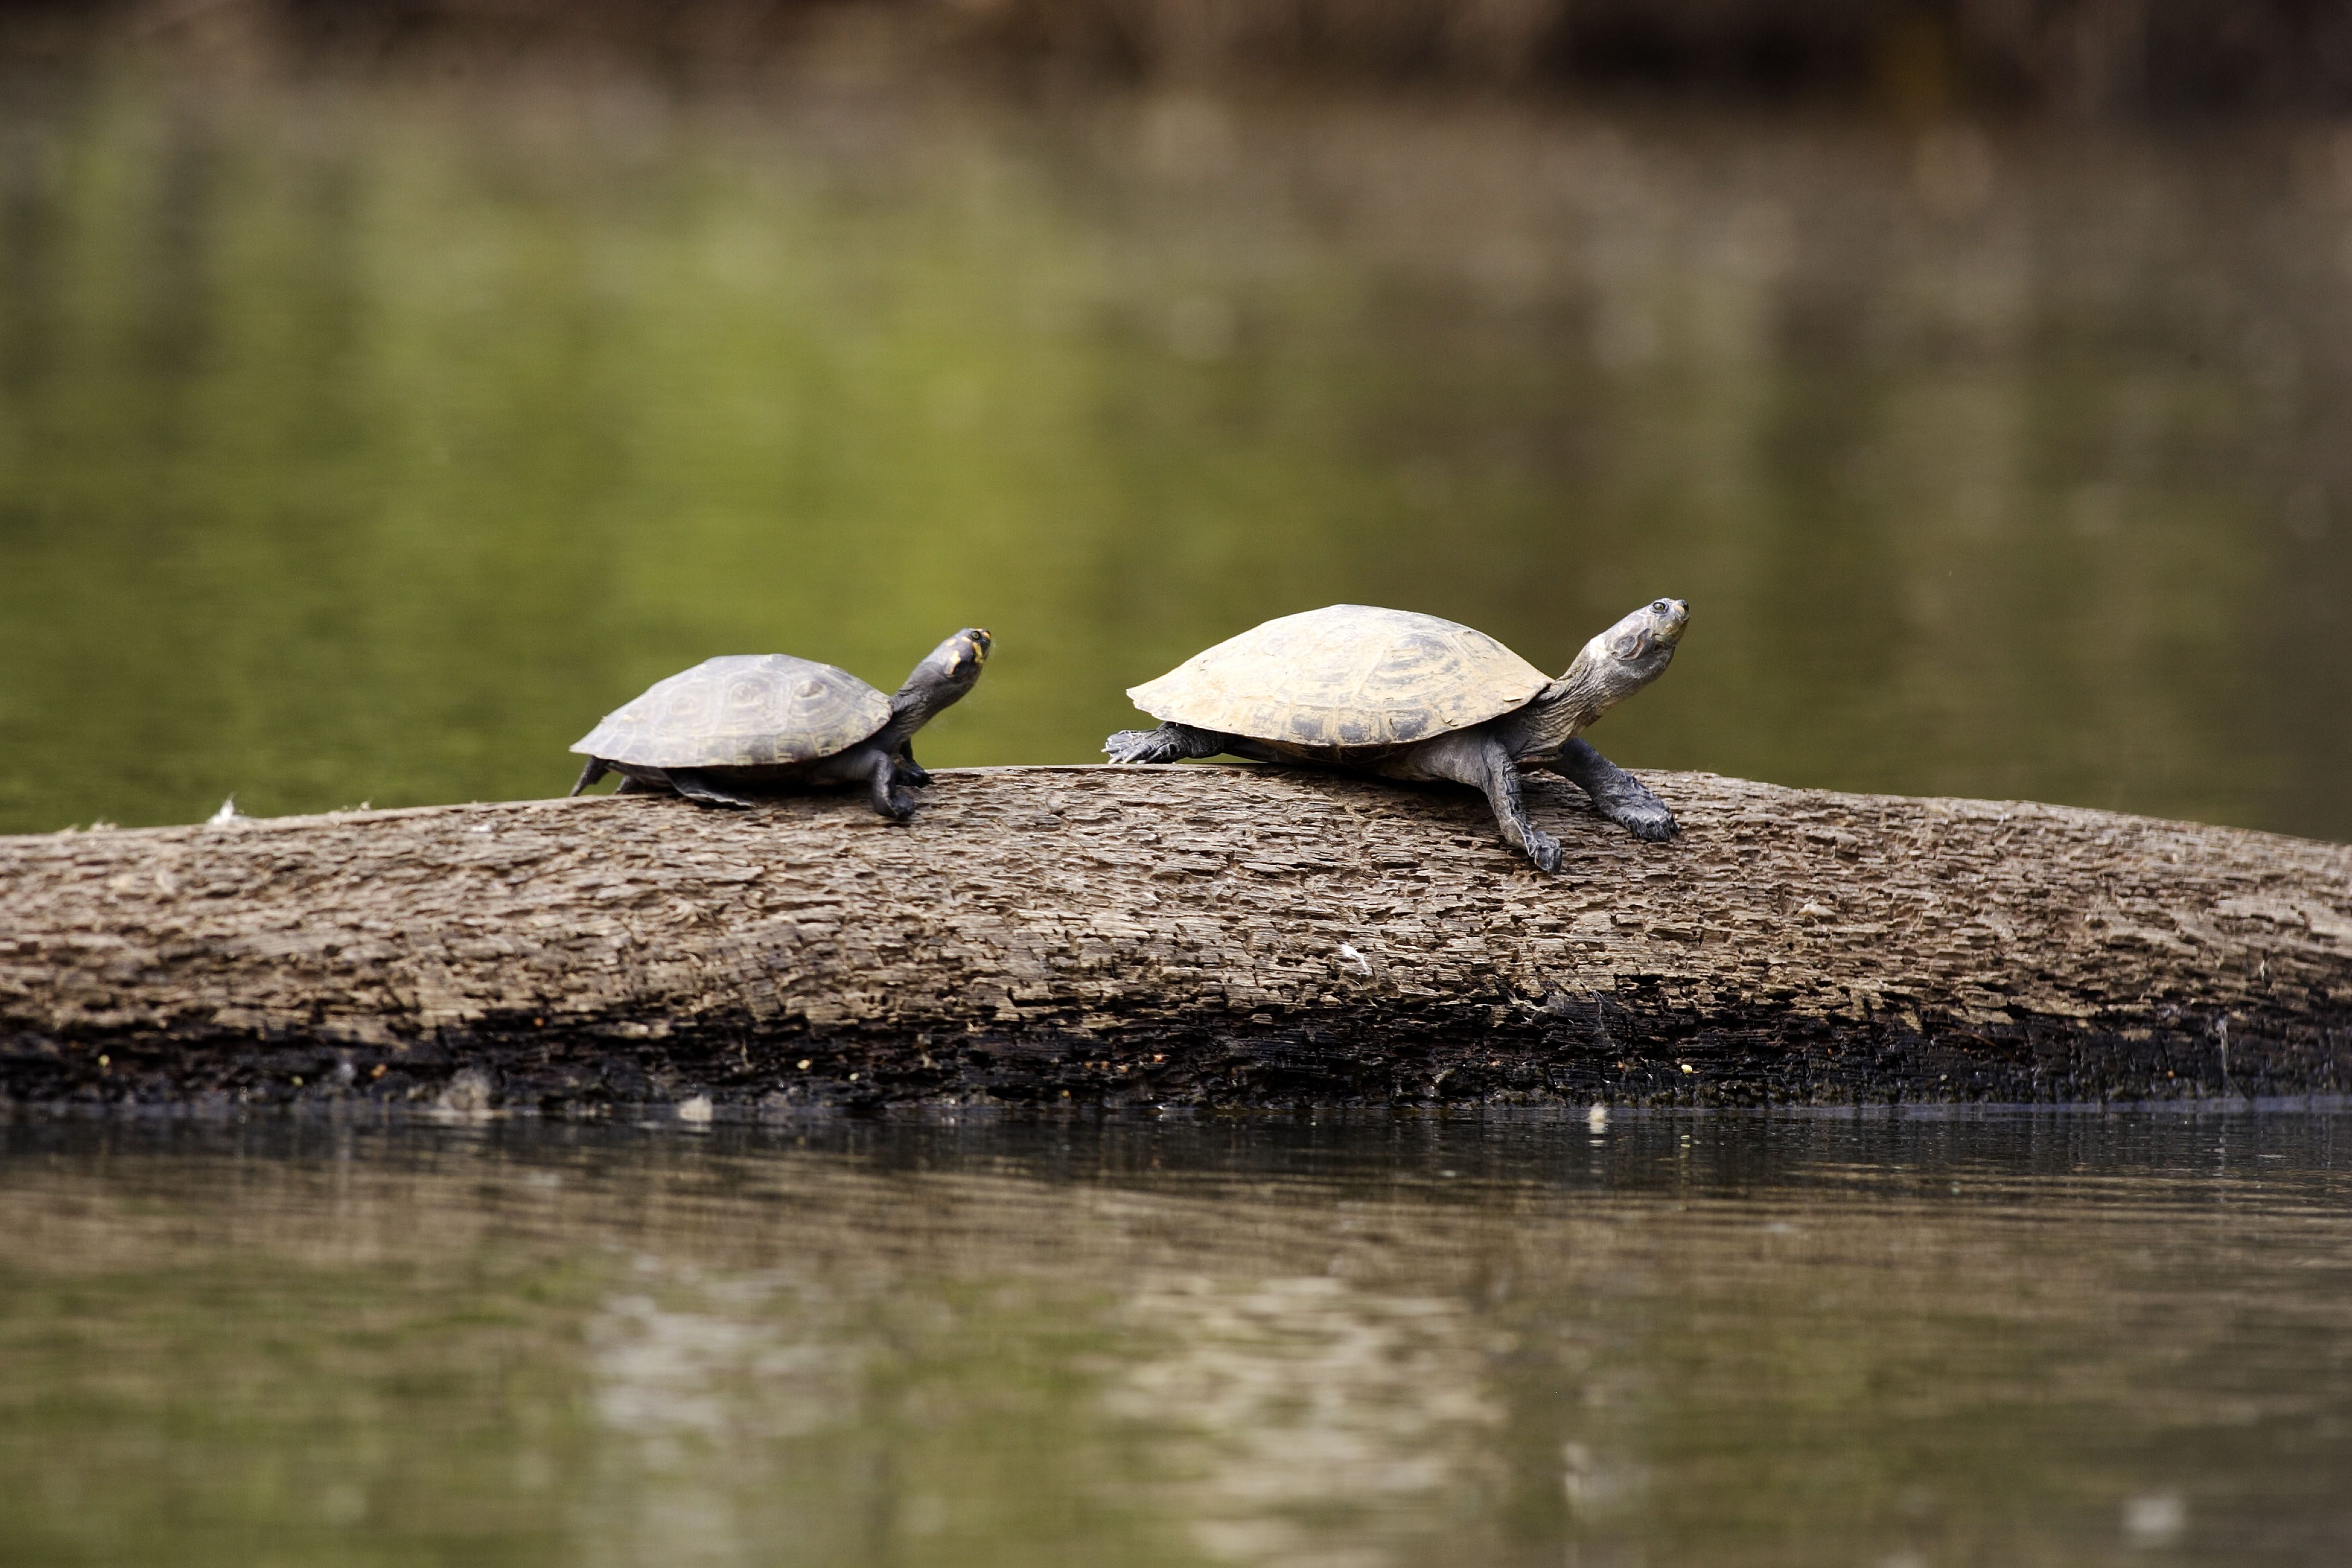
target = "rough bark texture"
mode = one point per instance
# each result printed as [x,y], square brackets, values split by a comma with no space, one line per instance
[1239,936]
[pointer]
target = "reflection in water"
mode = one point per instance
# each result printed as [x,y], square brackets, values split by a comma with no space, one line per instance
[709,1387]
[367,444]
[1709,1341]
[1311,1422]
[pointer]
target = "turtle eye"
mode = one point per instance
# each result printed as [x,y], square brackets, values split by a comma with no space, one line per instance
[1660,606]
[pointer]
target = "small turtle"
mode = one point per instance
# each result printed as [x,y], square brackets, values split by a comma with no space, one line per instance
[744,725]
[1408,696]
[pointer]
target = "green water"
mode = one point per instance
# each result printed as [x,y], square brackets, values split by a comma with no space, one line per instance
[1699,1341]
[368,443]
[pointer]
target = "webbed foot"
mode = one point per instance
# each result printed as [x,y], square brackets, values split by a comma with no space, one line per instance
[1168,743]
[911,774]
[1647,819]
[1132,746]
[1616,794]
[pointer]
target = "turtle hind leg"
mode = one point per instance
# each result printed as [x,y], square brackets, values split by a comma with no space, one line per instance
[698,787]
[596,769]
[1616,794]
[633,784]
[1168,743]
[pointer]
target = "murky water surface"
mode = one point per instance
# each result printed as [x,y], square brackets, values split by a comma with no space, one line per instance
[365,444]
[2043,1339]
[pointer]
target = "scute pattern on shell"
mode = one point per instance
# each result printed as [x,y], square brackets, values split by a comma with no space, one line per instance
[740,711]
[1348,675]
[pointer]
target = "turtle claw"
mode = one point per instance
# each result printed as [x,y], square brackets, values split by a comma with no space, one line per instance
[1647,820]
[911,774]
[1169,743]
[1131,745]
[1544,850]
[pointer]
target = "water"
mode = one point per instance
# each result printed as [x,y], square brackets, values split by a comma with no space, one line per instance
[365,442]
[1674,1340]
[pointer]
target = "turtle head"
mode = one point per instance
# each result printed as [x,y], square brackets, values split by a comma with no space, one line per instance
[1643,644]
[957,661]
[947,672]
[1614,665]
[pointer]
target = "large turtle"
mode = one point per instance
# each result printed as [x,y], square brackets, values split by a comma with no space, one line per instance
[1408,696]
[744,725]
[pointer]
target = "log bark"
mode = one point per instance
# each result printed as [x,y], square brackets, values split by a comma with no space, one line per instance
[1065,937]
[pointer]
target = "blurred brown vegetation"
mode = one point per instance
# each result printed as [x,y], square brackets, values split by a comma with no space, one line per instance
[1912,58]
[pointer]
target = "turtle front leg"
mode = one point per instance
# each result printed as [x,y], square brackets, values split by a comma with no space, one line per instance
[1616,794]
[1501,786]
[882,777]
[1480,759]
[1168,743]
[911,771]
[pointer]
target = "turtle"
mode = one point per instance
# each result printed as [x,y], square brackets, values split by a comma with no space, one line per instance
[1409,696]
[745,725]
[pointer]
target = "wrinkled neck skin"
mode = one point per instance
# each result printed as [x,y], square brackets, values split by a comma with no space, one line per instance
[927,693]
[1596,682]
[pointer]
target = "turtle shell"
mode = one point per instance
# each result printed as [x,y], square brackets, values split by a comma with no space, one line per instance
[1348,674]
[746,710]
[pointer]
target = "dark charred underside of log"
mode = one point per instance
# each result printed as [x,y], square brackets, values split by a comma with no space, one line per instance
[1059,937]
[1393,1061]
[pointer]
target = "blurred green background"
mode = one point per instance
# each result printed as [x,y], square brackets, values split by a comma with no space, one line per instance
[389,388]
[364,438]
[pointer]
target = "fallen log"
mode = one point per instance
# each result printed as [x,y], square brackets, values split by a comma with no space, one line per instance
[1180,935]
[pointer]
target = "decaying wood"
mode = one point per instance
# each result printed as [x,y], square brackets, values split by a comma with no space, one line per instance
[1155,936]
